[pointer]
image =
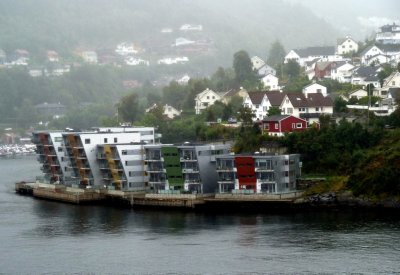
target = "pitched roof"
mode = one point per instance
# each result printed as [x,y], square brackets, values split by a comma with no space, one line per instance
[257,97]
[316,51]
[275,118]
[389,48]
[343,39]
[297,100]
[317,99]
[366,71]
[275,98]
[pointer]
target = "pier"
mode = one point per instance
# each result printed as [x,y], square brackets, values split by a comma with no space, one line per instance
[74,195]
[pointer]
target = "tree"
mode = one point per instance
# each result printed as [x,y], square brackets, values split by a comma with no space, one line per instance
[243,67]
[274,111]
[276,54]
[340,105]
[291,69]
[128,108]
[387,70]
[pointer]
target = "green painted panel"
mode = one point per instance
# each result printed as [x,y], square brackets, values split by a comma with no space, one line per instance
[172,166]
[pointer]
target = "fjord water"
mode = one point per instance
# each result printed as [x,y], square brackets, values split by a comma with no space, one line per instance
[38,236]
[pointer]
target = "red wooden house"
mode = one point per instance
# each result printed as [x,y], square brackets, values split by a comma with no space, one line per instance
[278,125]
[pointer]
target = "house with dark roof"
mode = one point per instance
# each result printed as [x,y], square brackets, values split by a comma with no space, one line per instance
[388,34]
[278,125]
[304,55]
[366,75]
[309,107]
[346,45]
[261,101]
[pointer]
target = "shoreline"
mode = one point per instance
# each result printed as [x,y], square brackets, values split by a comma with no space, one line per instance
[205,203]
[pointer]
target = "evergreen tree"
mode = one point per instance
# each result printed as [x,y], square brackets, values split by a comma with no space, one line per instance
[276,54]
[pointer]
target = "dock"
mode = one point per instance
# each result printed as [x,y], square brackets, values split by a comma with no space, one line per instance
[75,195]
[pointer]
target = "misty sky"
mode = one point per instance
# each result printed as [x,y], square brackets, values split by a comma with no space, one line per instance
[355,17]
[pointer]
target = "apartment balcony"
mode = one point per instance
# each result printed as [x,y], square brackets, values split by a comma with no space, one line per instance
[190,170]
[226,169]
[263,169]
[192,181]
[226,180]
[188,159]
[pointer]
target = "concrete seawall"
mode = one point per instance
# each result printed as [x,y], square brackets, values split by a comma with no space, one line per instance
[140,199]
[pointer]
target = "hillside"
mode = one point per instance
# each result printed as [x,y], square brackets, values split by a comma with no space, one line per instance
[64,25]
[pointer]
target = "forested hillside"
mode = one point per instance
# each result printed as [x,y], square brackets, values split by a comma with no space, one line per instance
[63,25]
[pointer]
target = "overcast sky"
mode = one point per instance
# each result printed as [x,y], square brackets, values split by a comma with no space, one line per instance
[355,17]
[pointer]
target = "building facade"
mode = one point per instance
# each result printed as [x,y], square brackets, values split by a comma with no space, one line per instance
[258,173]
[187,168]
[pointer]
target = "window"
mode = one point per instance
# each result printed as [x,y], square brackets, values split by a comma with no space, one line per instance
[87,141]
[343,46]
[115,140]
[58,139]
[299,125]
[105,140]
[276,126]
[316,109]
[393,83]
[213,97]
[257,106]
[290,111]
[59,149]
[319,90]
[351,46]
[208,97]
[266,126]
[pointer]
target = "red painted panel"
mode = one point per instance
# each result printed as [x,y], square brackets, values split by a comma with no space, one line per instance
[246,172]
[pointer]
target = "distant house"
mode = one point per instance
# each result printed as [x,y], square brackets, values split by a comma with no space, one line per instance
[309,108]
[20,57]
[261,101]
[392,80]
[89,57]
[52,56]
[132,61]
[369,52]
[323,69]
[266,70]
[388,34]
[315,88]
[301,56]
[171,60]
[342,72]
[183,42]
[346,45]
[257,62]
[358,94]
[168,111]
[205,99]
[189,27]
[184,80]
[37,71]
[227,97]
[270,82]
[278,125]
[50,109]
[366,75]
[125,48]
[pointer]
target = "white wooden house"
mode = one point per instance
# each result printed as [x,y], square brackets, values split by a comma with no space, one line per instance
[205,99]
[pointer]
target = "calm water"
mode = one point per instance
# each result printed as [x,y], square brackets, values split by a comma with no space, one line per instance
[38,236]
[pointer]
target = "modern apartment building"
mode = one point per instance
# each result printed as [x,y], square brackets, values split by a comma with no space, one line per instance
[122,166]
[50,152]
[81,149]
[188,168]
[258,173]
